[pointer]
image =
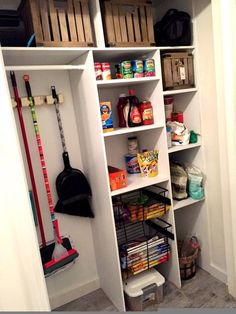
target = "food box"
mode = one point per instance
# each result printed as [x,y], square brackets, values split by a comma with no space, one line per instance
[117,177]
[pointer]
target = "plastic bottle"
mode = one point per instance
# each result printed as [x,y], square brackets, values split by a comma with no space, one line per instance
[134,117]
[122,103]
[146,112]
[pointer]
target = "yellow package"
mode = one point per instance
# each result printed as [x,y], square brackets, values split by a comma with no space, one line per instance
[148,163]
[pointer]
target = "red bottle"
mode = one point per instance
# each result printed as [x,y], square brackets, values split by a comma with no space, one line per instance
[134,117]
[122,103]
[146,112]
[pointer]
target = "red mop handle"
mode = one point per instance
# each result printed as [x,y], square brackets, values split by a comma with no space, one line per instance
[41,155]
[22,125]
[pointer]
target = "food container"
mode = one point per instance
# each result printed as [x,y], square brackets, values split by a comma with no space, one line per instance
[106,116]
[98,70]
[169,104]
[143,290]
[117,177]
[126,69]
[106,71]
[177,116]
[137,68]
[132,165]
[133,145]
[148,163]
[149,67]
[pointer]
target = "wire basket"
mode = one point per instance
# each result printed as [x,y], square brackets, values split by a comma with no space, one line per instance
[141,205]
[141,246]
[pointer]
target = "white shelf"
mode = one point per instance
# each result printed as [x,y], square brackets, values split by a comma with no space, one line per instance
[177,48]
[120,131]
[183,147]
[126,82]
[180,91]
[187,202]
[135,181]
[41,55]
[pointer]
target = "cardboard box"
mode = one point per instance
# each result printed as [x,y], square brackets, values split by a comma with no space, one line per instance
[117,177]
[106,116]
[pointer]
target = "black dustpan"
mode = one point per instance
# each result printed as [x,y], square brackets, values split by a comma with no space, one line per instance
[73,189]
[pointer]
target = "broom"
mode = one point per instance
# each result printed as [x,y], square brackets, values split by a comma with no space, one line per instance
[61,255]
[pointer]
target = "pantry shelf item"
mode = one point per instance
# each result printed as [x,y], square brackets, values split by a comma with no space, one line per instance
[137,31]
[134,115]
[73,189]
[106,116]
[141,205]
[117,177]
[61,250]
[177,70]
[148,163]
[122,109]
[135,182]
[143,290]
[66,24]
[142,247]
[146,111]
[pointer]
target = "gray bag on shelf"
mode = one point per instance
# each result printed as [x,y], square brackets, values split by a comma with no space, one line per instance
[179,180]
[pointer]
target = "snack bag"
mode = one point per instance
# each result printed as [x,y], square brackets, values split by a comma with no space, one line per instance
[195,183]
[148,163]
[179,133]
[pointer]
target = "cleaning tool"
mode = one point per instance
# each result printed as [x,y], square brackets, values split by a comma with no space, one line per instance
[60,253]
[22,126]
[72,186]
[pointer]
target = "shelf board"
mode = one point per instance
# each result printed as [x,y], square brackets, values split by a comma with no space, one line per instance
[187,202]
[177,48]
[120,131]
[183,147]
[180,91]
[125,82]
[41,55]
[135,181]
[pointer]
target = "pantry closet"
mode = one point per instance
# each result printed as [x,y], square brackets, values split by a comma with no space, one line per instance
[91,150]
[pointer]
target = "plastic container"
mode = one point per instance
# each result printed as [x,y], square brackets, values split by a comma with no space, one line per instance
[122,103]
[146,112]
[169,105]
[134,117]
[143,290]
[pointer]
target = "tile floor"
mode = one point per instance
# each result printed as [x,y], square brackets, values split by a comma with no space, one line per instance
[203,291]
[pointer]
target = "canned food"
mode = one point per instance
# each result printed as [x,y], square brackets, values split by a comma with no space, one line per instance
[126,69]
[132,165]
[137,68]
[149,67]
[177,116]
[106,71]
[98,70]
[119,74]
[133,145]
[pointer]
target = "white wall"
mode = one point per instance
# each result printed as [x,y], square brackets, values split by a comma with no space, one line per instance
[208,98]
[22,284]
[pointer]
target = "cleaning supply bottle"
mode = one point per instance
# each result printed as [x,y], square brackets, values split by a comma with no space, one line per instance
[121,108]
[134,117]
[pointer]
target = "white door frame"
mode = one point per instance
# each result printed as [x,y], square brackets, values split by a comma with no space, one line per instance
[224,25]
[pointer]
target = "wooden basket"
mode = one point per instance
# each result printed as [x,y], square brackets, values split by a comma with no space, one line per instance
[64,23]
[177,70]
[128,23]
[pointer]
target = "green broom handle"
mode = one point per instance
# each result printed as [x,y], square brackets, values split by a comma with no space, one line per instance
[41,154]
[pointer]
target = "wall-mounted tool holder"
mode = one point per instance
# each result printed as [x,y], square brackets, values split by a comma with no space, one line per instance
[39,100]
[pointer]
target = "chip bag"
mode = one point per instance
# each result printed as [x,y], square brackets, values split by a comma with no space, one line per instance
[148,163]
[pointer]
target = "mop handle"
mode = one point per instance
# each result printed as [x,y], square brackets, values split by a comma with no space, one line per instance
[27,151]
[56,103]
[41,155]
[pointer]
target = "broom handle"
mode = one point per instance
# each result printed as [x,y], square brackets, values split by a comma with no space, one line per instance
[41,155]
[27,151]
[56,103]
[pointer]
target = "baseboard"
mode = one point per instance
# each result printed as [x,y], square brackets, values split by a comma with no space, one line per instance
[73,293]
[218,273]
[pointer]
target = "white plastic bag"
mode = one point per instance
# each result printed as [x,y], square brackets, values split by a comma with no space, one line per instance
[179,133]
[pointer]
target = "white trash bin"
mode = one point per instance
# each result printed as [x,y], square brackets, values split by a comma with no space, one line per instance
[143,290]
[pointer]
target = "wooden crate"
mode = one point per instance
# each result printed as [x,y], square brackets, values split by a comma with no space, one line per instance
[128,23]
[63,23]
[177,70]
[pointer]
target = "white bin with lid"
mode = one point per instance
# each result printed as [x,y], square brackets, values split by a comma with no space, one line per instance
[143,290]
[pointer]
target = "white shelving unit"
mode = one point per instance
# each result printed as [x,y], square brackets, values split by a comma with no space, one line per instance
[91,150]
